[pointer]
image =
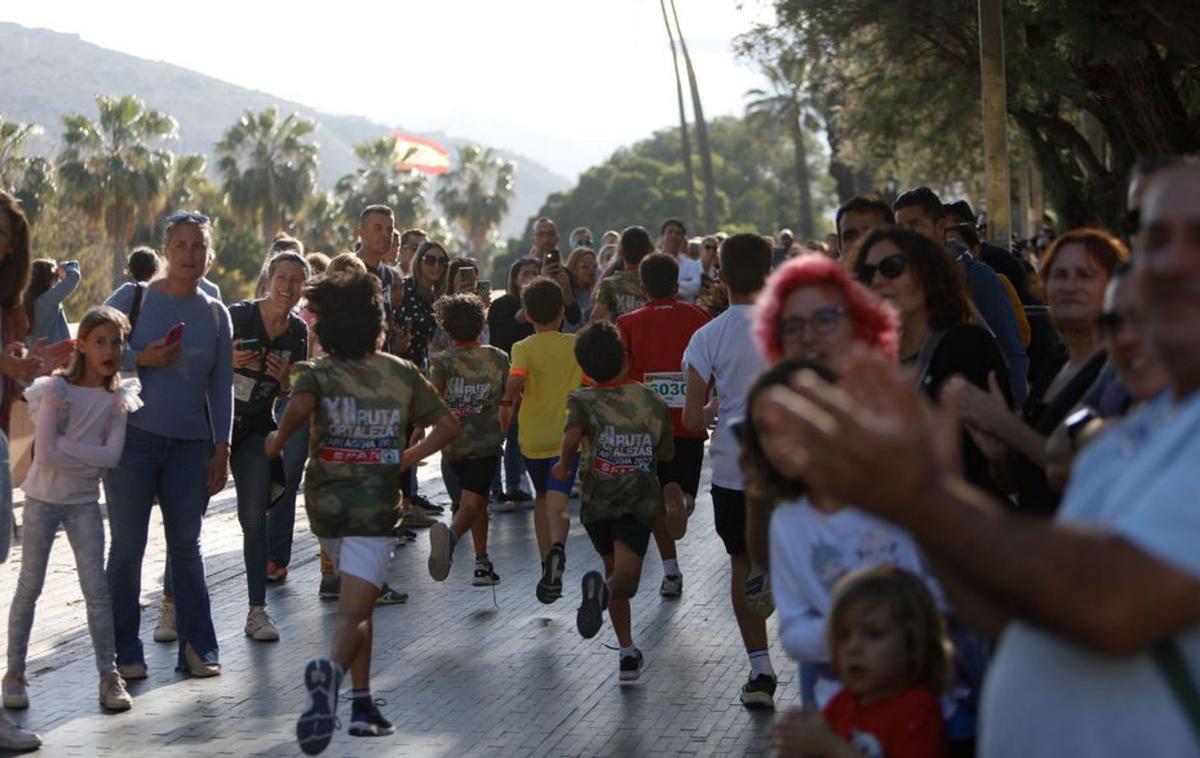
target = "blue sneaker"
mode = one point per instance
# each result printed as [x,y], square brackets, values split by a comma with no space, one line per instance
[317,723]
[367,721]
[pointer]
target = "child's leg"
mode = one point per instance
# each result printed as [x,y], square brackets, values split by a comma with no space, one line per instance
[624,570]
[558,519]
[541,523]
[351,648]
[37,537]
[85,531]
[664,541]
[472,514]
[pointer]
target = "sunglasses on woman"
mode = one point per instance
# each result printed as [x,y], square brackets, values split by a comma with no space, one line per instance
[892,267]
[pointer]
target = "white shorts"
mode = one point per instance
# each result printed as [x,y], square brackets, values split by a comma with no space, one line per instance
[363,557]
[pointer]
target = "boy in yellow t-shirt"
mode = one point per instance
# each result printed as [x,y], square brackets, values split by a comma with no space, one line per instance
[543,372]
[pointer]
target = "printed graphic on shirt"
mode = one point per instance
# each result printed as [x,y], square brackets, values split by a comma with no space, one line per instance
[352,481]
[876,547]
[621,293]
[472,381]
[867,744]
[626,429]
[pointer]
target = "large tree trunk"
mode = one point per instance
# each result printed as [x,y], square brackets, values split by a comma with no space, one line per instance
[706,167]
[688,177]
[803,187]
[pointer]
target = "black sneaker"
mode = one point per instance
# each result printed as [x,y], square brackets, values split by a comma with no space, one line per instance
[485,574]
[367,721]
[549,587]
[759,692]
[520,496]
[331,587]
[317,723]
[594,600]
[632,665]
[389,596]
[422,502]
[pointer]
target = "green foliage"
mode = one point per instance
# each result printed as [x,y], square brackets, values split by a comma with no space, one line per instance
[644,184]
[378,182]
[268,168]
[475,196]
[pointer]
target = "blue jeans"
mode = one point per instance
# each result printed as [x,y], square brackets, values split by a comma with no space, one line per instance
[85,530]
[281,520]
[514,465]
[6,509]
[252,479]
[176,471]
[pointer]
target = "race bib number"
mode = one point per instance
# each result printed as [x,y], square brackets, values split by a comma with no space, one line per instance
[670,386]
[243,387]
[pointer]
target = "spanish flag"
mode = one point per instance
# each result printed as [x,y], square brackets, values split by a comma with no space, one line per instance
[419,154]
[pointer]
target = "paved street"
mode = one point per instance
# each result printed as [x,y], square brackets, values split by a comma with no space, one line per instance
[462,674]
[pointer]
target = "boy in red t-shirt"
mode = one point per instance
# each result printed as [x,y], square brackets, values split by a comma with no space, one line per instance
[655,338]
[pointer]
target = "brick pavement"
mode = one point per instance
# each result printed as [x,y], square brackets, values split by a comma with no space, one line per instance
[461,676]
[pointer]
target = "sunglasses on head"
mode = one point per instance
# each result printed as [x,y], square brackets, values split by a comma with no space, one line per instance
[891,267]
[190,217]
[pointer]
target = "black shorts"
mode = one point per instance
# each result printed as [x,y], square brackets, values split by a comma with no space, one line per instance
[627,529]
[729,516]
[684,468]
[475,474]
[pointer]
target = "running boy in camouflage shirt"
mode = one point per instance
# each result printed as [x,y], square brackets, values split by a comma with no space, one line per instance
[622,292]
[358,402]
[470,378]
[625,429]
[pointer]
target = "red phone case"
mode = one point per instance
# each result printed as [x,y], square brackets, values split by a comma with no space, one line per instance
[174,334]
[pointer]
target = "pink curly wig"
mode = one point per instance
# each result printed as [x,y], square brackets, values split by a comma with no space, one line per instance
[875,321]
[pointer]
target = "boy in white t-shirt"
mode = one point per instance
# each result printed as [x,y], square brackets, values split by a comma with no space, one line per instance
[722,356]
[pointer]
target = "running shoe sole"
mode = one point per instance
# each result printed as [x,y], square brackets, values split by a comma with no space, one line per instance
[758,699]
[549,587]
[315,728]
[590,616]
[439,552]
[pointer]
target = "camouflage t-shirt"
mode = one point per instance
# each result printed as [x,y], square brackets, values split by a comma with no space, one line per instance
[472,380]
[352,481]
[626,429]
[621,293]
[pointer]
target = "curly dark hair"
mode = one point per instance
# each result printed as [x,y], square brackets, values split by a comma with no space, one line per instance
[599,350]
[940,277]
[349,310]
[460,315]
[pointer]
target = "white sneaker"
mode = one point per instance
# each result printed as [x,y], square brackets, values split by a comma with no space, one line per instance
[260,625]
[15,695]
[113,694]
[165,630]
[13,737]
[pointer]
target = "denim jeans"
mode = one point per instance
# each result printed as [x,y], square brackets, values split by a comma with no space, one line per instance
[85,530]
[281,520]
[6,510]
[514,465]
[176,471]
[252,479]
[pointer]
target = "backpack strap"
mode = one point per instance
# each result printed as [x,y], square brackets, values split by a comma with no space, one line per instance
[136,309]
[1174,670]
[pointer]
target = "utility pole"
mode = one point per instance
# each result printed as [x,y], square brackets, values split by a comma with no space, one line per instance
[995,121]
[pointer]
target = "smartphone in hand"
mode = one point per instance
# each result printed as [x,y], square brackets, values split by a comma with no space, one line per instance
[250,344]
[553,258]
[483,290]
[174,334]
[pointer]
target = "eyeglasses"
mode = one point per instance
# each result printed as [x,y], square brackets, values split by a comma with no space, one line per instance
[892,267]
[823,321]
[190,217]
[435,260]
[1110,323]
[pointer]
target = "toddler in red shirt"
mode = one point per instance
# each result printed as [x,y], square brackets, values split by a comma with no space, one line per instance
[889,648]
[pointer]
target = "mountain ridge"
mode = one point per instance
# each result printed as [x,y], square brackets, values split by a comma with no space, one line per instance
[50,74]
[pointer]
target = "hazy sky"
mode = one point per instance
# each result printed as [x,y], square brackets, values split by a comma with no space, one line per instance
[562,81]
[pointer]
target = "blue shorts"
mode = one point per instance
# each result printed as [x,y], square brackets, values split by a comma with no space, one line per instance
[539,472]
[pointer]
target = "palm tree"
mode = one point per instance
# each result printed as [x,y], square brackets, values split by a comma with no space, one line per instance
[268,170]
[706,166]
[322,224]
[475,195]
[378,182]
[786,103]
[30,178]
[688,177]
[108,170]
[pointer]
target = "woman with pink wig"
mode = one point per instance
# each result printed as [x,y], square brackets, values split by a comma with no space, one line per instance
[812,309]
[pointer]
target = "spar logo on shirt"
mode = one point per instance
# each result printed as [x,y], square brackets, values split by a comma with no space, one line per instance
[623,452]
[354,435]
[465,398]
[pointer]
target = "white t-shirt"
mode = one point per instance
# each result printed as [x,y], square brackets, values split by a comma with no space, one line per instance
[723,351]
[1047,696]
[689,278]
[810,551]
